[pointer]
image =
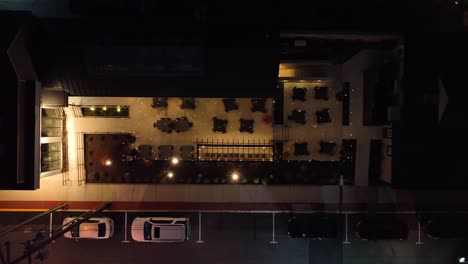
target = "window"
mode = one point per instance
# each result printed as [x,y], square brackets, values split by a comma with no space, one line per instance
[106,111]
[157,232]
[52,121]
[51,156]
[101,230]
[147,230]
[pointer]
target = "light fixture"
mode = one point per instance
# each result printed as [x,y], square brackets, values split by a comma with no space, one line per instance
[170,174]
[175,160]
[104,108]
[462,260]
[235,176]
[92,108]
[108,162]
[118,109]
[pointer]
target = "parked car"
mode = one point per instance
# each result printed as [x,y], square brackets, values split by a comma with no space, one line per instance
[445,226]
[160,229]
[381,227]
[312,227]
[93,228]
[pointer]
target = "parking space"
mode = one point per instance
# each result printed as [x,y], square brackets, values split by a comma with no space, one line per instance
[248,237]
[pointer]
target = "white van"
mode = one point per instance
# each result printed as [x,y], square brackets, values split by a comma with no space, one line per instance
[160,229]
[93,228]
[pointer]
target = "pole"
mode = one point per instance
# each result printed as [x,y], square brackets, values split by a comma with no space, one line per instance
[125,241]
[346,229]
[419,242]
[199,241]
[4,232]
[273,241]
[50,224]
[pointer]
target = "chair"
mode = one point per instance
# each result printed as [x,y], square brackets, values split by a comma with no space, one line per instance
[219,125]
[258,105]
[246,125]
[298,116]
[159,102]
[299,94]
[321,92]
[301,149]
[230,104]
[328,148]
[323,116]
[187,103]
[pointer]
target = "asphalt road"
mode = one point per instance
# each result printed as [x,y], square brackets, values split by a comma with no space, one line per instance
[234,238]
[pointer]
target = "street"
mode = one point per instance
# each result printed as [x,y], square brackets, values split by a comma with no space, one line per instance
[232,238]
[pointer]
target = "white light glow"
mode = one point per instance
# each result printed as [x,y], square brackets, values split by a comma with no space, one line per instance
[175,160]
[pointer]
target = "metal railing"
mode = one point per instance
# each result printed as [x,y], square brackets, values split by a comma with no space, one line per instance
[80,158]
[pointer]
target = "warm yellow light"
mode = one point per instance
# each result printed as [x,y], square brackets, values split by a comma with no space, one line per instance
[92,108]
[175,160]
[108,162]
[118,109]
[170,174]
[104,108]
[235,176]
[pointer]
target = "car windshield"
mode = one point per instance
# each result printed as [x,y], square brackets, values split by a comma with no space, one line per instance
[147,231]
[75,231]
[101,230]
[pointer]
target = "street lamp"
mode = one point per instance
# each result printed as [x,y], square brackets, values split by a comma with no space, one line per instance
[235,176]
[170,174]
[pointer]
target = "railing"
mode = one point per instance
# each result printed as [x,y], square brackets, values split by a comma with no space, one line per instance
[65,162]
[76,110]
[80,158]
[280,133]
[234,150]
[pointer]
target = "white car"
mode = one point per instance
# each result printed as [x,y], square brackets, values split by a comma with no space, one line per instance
[160,229]
[93,228]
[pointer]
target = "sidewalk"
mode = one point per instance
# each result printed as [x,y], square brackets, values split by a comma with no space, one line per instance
[228,197]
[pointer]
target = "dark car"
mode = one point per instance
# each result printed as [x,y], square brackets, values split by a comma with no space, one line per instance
[445,226]
[312,227]
[381,227]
